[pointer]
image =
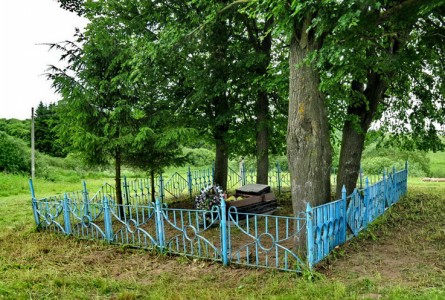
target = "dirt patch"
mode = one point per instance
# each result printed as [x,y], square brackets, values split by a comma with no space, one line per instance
[404,248]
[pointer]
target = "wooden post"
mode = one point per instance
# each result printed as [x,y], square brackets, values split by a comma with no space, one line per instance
[33,168]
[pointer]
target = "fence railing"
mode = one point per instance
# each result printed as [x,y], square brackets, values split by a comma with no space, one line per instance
[333,223]
[220,234]
[192,181]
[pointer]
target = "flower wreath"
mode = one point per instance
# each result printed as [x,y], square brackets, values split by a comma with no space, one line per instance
[209,196]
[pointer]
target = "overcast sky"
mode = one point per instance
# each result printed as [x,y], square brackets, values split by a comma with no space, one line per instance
[23,25]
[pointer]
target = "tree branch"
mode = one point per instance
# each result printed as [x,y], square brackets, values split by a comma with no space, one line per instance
[403,6]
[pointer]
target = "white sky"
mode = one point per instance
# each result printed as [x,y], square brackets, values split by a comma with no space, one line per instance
[23,25]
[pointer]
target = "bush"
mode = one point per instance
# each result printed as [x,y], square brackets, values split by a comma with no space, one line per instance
[199,157]
[14,154]
[375,160]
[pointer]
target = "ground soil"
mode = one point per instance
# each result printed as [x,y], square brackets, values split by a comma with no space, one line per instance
[406,248]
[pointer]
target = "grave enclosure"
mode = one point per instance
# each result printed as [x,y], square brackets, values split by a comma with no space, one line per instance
[225,233]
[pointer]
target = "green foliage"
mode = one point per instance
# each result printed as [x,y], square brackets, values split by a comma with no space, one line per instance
[437,164]
[110,113]
[45,122]
[17,128]
[199,157]
[376,159]
[14,154]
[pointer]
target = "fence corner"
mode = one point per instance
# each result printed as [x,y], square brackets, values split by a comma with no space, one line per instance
[159,224]
[66,214]
[107,220]
[34,203]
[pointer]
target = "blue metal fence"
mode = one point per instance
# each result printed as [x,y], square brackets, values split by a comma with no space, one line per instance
[220,234]
[335,222]
[192,181]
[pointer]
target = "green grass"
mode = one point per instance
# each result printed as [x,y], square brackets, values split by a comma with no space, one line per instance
[437,164]
[39,265]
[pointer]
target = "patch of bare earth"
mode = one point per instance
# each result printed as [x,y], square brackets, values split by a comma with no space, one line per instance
[406,248]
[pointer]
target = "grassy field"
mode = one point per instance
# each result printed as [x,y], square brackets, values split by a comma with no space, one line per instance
[437,163]
[401,256]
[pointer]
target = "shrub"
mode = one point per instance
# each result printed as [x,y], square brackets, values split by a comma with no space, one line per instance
[14,154]
[199,157]
[375,160]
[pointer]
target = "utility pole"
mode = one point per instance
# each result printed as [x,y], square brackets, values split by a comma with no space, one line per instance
[33,159]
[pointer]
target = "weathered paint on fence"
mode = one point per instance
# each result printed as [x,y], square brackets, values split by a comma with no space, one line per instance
[219,234]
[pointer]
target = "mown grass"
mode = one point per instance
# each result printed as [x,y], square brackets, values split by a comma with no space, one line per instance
[409,240]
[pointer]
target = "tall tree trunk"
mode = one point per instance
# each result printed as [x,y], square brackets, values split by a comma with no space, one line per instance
[262,138]
[152,186]
[263,48]
[221,101]
[221,163]
[308,142]
[354,132]
[117,177]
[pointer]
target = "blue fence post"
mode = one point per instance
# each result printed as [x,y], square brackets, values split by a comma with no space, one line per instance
[344,201]
[161,187]
[159,224]
[66,214]
[190,182]
[405,187]
[394,187]
[385,187]
[279,177]
[34,203]
[126,192]
[309,236]
[223,226]
[361,176]
[366,203]
[86,201]
[213,173]
[107,220]
[243,173]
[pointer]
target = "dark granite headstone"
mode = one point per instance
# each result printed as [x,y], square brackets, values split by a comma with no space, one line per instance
[253,189]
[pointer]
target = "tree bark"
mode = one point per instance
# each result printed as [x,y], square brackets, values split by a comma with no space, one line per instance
[117,177]
[262,138]
[354,133]
[263,48]
[221,100]
[308,142]
[221,163]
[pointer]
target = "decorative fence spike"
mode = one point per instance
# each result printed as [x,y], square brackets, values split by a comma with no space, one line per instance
[222,234]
